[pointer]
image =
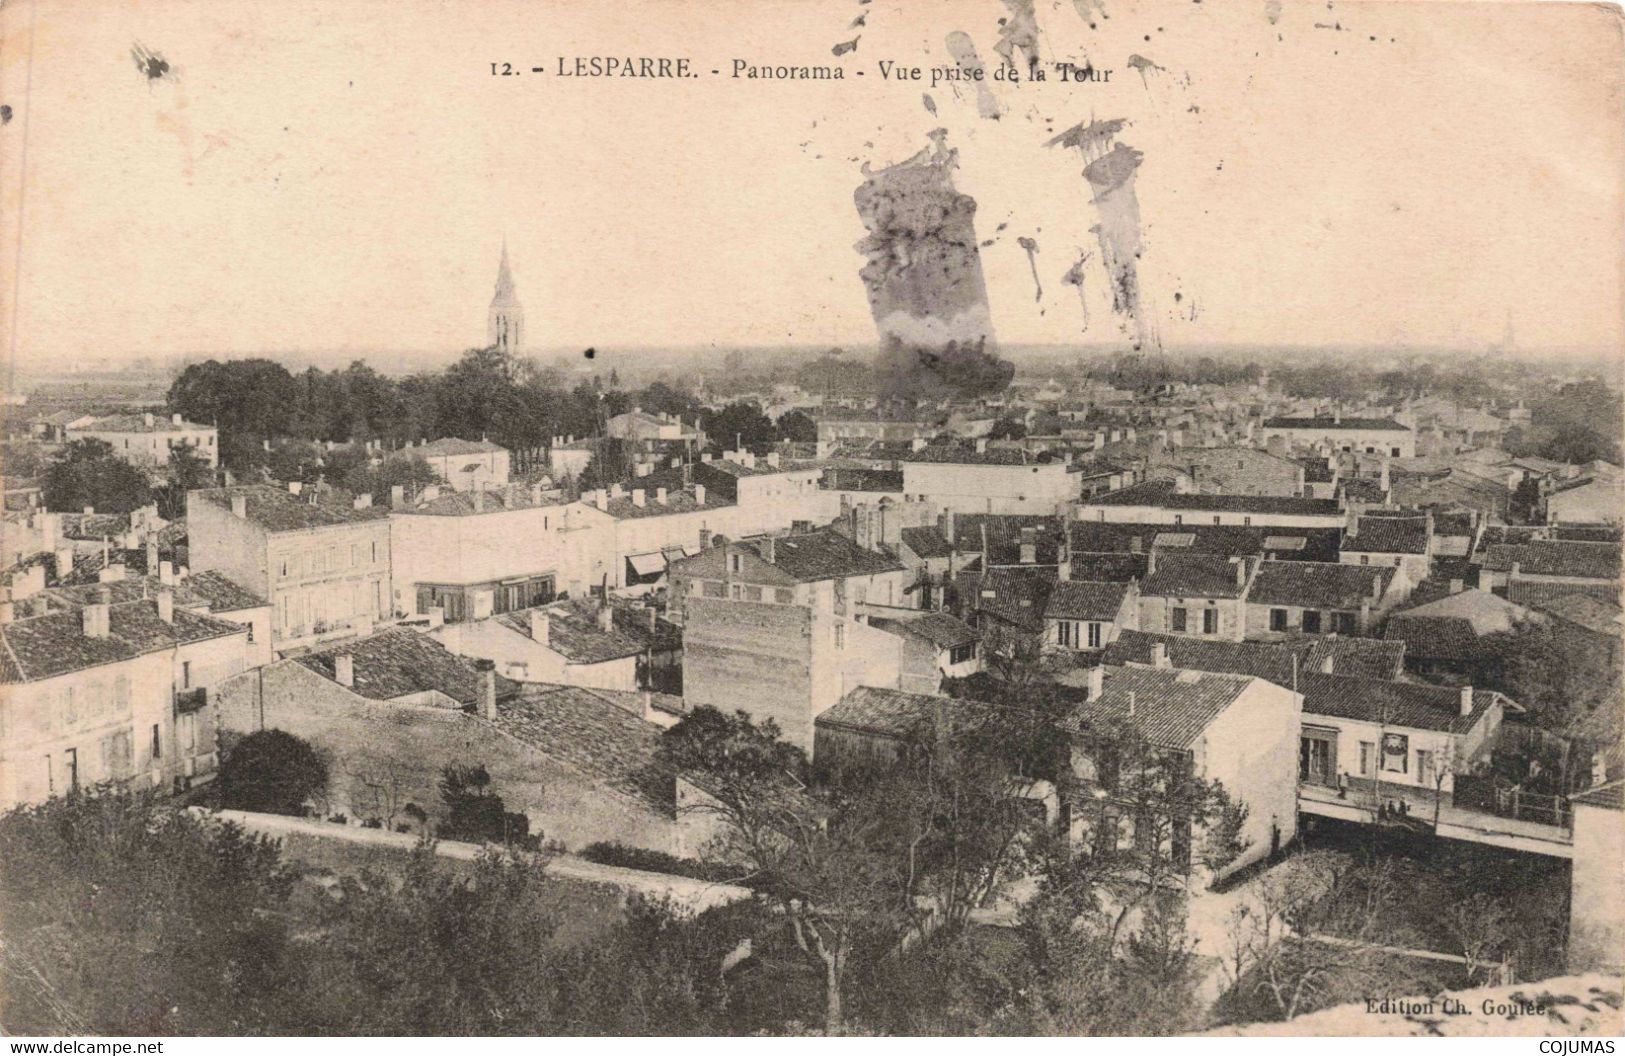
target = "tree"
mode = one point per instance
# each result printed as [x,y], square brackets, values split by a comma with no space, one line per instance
[741,425]
[1565,681]
[90,474]
[271,771]
[474,812]
[1008,428]
[187,471]
[253,398]
[126,915]
[815,856]
[798,427]
[407,471]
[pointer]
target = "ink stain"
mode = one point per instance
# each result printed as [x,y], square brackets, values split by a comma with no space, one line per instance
[930,104]
[1018,33]
[1145,68]
[5,114]
[1031,246]
[846,46]
[153,65]
[1109,169]
[1074,277]
[963,50]
[590,353]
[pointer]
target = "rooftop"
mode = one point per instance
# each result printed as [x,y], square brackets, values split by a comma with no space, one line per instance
[1406,704]
[1083,600]
[1318,584]
[591,735]
[1197,575]
[1171,707]
[278,510]
[1556,557]
[397,662]
[1388,535]
[1335,422]
[574,633]
[820,555]
[892,712]
[1163,494]
[940,629]
[45,646]
[138,423]
[454,446]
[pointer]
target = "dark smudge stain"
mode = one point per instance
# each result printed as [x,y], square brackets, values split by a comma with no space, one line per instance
[963,50]
[930,104]
[1074,277]
[590,353]
[923,276]
[1144,66]
[1031,246]
[5,114]
[153,66]
[1018,33]
[1088,10]
[1109,169]
[846,46]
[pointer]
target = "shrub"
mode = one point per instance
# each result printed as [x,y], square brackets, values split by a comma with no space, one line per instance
[273,772]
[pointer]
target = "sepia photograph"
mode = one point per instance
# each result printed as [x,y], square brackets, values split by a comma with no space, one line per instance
[811,518]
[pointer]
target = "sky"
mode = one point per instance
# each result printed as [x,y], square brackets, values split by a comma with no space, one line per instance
[342,175]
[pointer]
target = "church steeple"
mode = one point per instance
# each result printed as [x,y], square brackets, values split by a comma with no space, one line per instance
[505,322]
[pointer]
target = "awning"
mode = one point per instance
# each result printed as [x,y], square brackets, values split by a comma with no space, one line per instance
[645,567]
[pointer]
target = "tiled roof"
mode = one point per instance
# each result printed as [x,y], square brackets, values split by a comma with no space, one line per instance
[853,479]
[1081,600]
[1185,575]
[453,446]
[940,629]
[1013,597]
[1108,568]
[1553,557]
[396,662]
[574,634]
[1170,707]
[893,713]
[1487,613]
[1388,535]
[491,500]
[1406,704]
[820,555]
[137,423]
[1433,637]
[55,644]
[1365,657]
[592,736]
[1334,423]
[993,456]
[1610,796]
[1542,594]
[1271,661]
[1318,584]
[201,590]
[1161,494]
[1004,535]
[927,542]
[1594,614]
[277,510]
[221,593]
[678,500]
[1587,533]
[1232,540]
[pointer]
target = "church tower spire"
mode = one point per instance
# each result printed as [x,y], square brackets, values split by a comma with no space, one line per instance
[505,322]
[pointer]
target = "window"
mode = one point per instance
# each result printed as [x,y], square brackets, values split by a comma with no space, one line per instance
[736,592]
[188,731]
[1395,452]
[784,596]
[1365,559]
[1368,752]
[70,760]
[1210,621]
[1215,518]
[70,708]
[186,674]
[1247,522]
[1179,518]
[1277,619]
[840,636]
[1424,766]
[50,778]
[1094,636]
[961,654]
[1311,621]
[250,634]
[157,742]
[1396,753]
[1066,634]
[712,589]
[753,593]
[1396,560]
[1345,623]
[736,563]
[375,553]
[1176,619]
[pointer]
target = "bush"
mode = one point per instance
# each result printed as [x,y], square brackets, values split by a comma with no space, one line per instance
[659,862]
[272,772]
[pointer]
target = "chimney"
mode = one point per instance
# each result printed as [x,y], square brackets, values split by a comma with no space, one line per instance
[479,496]
[647,704]
[773,460]
[699,494]
[654,618]
[770,552]
[64,563]
[1517,567]
[48,523]
[1159,654]
[363,501]
[96,616]
[705,538]
[1029,546]
[431,492]
[175,419]
[917,444]
[1150,562]
[606,617]
[1241,571]
[948,526]
[637,497]
[1097,682]
[981,445]
[166,573]
[660,496]
[541,626]
[344,669]
[147,417]
[166,606]
[486,670]
[1131,703]
[111,574]
[1456,586]
[90,511]
[397,495]
[152,556]
[1134,544]
[7,612]
[1466,701]
[295,487]
[536,494]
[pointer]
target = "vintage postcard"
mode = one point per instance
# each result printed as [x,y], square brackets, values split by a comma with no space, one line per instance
[811,517]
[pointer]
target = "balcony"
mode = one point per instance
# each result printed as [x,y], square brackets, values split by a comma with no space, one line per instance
[1522,822]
